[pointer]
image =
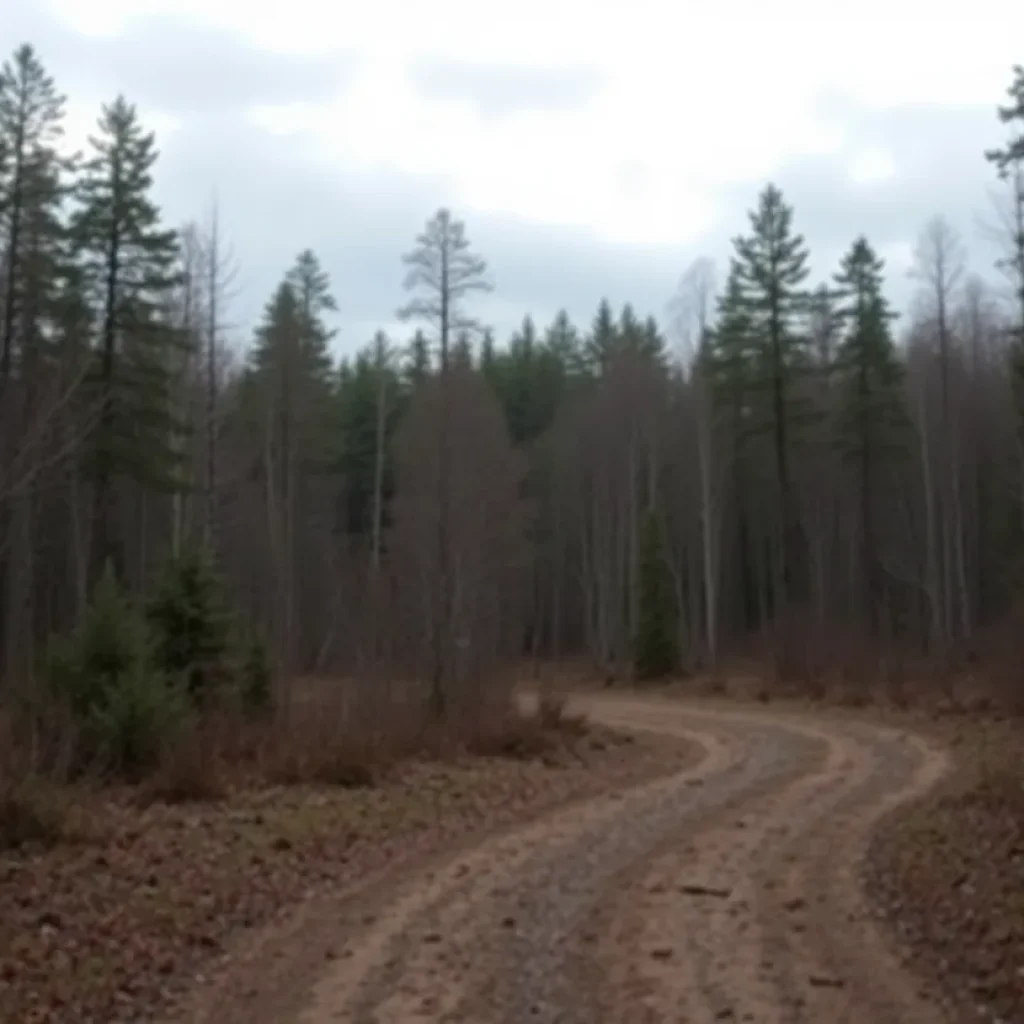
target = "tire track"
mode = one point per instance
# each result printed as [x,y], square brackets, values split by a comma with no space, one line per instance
[838,930]
[717,894]
[779,935]
[418,952]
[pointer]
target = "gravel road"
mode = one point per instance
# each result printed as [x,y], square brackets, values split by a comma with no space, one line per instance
[726,892]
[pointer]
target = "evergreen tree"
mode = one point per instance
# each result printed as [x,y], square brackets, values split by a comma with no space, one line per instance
[1012,115]
[462,351]
[641,337]
[417,366]
[563,341]
[1009,162]
[655,651]
[731,362]
[312,288]
[771,267]
[190,625]
[290,402]
[652,341]
[128,262]
[516,383]
[311,366]
[487,352]
[872,416]
[31,192]
[630,330]
[529,378]
[603,341]
[33,182]
[371,391]
[290,363]
[257,683]
[104,673]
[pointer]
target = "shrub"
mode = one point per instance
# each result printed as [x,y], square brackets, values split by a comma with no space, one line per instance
[140,715]
[190,624]
[123,706]
[654,650]
[111,640]
[190,767]
[256,685]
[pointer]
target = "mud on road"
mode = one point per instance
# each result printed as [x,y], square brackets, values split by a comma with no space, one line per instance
[726,892]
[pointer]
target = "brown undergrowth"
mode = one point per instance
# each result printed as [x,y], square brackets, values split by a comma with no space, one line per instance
[112,897]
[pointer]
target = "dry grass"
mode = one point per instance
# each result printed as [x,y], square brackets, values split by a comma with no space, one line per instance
[32,812]
[107,929]
[331,732]
[33,807]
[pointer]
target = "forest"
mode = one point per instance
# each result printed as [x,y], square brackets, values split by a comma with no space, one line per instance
[815,476]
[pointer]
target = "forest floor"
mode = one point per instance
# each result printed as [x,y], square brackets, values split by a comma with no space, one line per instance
[728,890]
[699,860]
[948,873]
[138,903]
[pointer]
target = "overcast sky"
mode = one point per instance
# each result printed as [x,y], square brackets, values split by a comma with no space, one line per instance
[593,147]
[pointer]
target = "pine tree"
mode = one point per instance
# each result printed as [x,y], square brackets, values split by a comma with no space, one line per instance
[104,673]
[771,267]
[515,387]
[312,365]
[369,405]
[462,351]
[33,182]
[128,263]
[652,341]
[31,190]
[290,361]
[1011,115]
[731,362]
[872,416]
[603,341]
[290,401]
[563,341]
[417,364]
[529,379]
[1009,163]
[655,651]
[190,625]
[487,353]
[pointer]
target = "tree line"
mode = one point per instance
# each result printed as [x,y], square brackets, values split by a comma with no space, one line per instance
[437,504]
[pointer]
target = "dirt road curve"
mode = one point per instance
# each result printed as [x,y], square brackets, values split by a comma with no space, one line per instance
[726,893]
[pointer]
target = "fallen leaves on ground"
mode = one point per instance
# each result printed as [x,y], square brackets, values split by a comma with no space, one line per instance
[113,924]
[949,876]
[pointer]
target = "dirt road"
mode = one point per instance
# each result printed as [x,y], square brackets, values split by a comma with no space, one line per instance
[725,893]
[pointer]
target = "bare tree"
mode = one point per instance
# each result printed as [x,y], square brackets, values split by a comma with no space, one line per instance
[487,558]
[383,354]
[221,272]
[940,262]
[693,308]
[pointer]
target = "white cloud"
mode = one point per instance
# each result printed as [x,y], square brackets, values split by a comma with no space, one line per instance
[899,257]
[871,165]
[694,95]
